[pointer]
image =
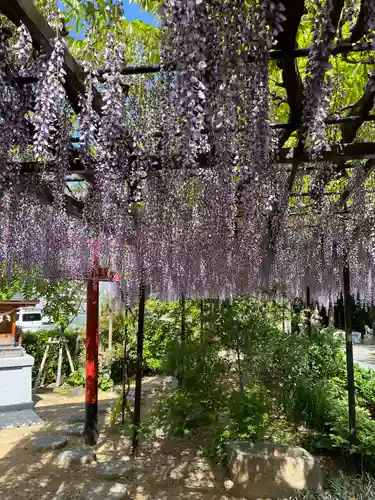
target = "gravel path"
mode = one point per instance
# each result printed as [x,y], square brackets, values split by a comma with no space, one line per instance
[364,355]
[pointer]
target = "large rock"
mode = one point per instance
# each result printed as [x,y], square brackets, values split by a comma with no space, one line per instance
[106,491]
[76,429]
[45,443]
[76,457]
[270,470]
[112,469]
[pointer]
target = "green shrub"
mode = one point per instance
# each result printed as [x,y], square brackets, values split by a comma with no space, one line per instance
[365,386]
[162,326]
[199,369]
[105,381]
[251,416]
[76,379]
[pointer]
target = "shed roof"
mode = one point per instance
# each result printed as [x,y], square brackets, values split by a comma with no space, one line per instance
[7,306]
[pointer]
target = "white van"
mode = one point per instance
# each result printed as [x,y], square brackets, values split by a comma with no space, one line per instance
[31,319]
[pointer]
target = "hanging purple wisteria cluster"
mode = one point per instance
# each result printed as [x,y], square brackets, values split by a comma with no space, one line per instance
[181,185]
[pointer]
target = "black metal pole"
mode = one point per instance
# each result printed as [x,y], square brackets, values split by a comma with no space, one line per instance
[349,353]
[183,318]
[124,370]
[138,367]
[202,319]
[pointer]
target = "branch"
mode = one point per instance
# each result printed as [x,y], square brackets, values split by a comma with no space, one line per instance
[359,28]
[292,81]
[361,108]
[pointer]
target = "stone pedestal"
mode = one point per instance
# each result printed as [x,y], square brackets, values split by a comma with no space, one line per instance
[15,379]
[16,404]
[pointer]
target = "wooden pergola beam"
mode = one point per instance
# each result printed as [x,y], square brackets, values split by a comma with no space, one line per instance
[333,153]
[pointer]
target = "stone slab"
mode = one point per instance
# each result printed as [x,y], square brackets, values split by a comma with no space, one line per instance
[78,416]
[76,457]
[76,429]
[272,471]
[106,491]
[45,443]
[112,469]
[19,418]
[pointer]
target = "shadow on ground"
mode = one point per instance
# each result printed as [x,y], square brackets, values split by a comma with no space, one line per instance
[165,469]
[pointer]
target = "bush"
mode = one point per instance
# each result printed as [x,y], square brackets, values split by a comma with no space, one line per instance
[365,386]
[35,345]
[294,385]
[162,325]
[76,379]
[251,416]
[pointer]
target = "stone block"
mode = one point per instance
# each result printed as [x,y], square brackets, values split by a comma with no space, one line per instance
[76,457]
[45,443]
[15,382]
[76,429]
[272,471]
[112,469]
[106,491]
[19,418]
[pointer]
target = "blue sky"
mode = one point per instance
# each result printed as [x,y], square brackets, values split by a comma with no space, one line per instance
[133,12]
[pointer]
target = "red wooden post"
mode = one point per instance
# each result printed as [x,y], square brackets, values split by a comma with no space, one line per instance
[92,352]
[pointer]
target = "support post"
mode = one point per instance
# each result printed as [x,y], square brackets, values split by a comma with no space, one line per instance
[69,356]
[59,364]
[92,352]
[42,364]
[349,353]
[13,320]
[124,370]
[331,314]
[202,319]
[138,367]
[308,307]
[183,318]
[110,329]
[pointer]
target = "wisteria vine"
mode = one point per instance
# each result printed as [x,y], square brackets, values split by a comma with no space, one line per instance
[183,189]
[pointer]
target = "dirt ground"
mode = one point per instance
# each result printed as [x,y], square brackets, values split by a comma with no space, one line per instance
[166,469]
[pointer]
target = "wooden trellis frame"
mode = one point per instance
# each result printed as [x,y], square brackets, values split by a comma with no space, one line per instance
[285,53]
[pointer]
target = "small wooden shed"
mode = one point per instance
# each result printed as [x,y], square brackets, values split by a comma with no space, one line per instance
[8,311]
